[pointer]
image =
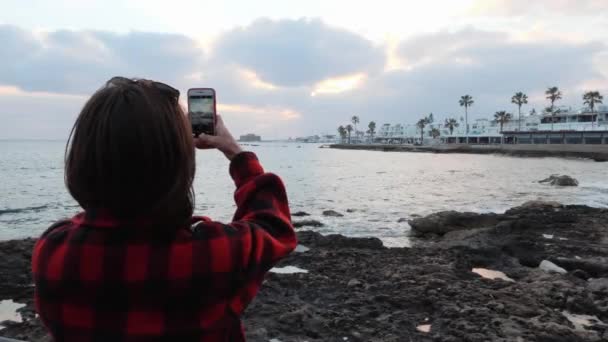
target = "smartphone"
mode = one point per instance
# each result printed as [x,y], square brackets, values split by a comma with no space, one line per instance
[201,110]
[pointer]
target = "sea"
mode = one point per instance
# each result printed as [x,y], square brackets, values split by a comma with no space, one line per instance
[377,192]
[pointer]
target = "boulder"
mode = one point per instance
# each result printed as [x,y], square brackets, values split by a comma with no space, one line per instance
[558,180]
[539,204]
[550,267]
[309,223]
[332,213]
[599,285]
[300,213]
[447,221]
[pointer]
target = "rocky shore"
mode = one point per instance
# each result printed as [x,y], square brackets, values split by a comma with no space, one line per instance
[553,285]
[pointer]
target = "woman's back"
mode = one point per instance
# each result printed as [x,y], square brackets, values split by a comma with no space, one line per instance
[103,276]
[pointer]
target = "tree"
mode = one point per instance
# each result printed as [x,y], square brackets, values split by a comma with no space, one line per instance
[435,133]
[533,111]
[355,121]
[519,99]
[466,101]
[591,98]
[502,117]
[431,119]
[371,130]
[342,132]
[553,94]
[450,124]
[349,129]
[421,124]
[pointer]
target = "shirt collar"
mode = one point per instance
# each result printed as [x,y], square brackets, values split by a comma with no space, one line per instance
[103,218]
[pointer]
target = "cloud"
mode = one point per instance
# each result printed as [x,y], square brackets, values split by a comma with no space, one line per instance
[293,77]
[297,52]
[80,61]
[526,7]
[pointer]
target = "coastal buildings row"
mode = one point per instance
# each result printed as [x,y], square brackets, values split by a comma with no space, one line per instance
[565,126]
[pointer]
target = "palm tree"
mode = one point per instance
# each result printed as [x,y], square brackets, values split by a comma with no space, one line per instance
[342,132]
[372,129]
[466,101]
[421,124]
[355,121]
[519,99]
[349,129]
[450,124]
[435,132]
[592,98]
[553,94]
[502,117]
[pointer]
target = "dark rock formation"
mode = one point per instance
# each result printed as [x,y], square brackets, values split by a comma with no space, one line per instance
[332,213]
[359,290]
[447,221]
[300,213]
[307,223]
[558,180]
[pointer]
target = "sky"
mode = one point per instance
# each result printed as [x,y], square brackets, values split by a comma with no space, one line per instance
[294,68]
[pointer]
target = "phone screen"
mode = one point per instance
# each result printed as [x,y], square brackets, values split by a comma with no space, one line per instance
[202,111]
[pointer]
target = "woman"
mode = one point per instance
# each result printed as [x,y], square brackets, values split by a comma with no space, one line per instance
[135,264]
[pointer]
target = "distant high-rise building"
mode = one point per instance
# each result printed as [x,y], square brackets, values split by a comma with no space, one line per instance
[250,137]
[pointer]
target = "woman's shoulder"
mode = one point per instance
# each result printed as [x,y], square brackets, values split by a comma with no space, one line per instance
[57,229]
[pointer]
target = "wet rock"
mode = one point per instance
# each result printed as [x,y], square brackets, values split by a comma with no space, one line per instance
[558,180]
[310,238]
[599,285]
[539,204]
[332,213]
[447,221]
[394,290]
[401,220]
[307,223]
[300,214]
[353,282]
[548,266]
[351,210]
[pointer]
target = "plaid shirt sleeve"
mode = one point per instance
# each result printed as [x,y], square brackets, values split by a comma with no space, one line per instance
[101,279]
[261,232]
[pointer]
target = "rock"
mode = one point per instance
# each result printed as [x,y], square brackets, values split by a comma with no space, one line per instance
[447,221]
[539,204]
[351,210]
[353,282]
[332,213]
[335,241]
[550,267]
[401,220]
[599,285]
[558,180]
[595,267]
[309,223]
[580,274]
[300,213]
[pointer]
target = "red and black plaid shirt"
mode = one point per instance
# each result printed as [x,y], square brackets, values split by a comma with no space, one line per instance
[98,279]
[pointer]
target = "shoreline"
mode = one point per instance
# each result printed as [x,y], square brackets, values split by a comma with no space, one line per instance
[595,152]
[355,289]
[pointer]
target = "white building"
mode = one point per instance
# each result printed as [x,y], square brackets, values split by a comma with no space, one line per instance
[489,131]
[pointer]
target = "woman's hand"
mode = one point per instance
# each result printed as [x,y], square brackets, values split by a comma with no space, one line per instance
[222,140]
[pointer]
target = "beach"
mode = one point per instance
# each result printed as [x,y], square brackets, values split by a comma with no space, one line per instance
[336,288]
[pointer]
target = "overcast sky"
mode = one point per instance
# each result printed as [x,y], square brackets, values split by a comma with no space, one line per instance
[290,68]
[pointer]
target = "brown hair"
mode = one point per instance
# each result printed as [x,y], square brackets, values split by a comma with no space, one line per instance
[131,153]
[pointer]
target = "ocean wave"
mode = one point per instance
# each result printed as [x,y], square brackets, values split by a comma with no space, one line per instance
[20,210]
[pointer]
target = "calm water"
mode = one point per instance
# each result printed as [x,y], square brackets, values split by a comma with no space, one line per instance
[379,187]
